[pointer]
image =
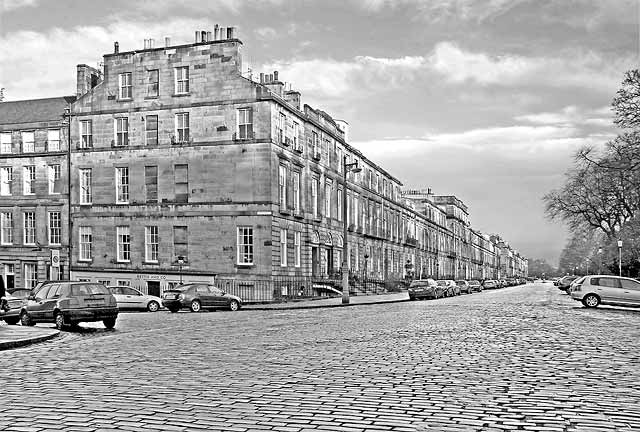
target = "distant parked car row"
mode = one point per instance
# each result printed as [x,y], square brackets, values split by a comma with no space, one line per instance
[432,289]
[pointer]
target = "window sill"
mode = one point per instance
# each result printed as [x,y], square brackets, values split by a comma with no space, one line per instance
[88,261]
[181,94]
[85,204]
[123,262]
[298,216]
[129,99]
[285,212]
[245,265]
[150,97]
[150,262]
[122,203]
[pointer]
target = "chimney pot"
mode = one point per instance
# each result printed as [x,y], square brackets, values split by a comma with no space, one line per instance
[197,36]
[230,32]
[203,36]
[167,42]
[209,36]
[270,78]
[152,43]
[223,33]
[216,32]
[261,77]
[275,75]
[116,47]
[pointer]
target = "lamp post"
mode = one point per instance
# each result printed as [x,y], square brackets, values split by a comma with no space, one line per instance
[599,260]
[181,262]
[620,258]
[346,167]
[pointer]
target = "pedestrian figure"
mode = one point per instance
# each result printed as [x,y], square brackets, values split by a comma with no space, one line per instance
[4,305]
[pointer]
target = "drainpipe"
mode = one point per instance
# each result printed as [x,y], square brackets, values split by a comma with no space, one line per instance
[69,221]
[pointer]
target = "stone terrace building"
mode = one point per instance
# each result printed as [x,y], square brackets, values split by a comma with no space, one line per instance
[179,158]
[183,169]
[34,212]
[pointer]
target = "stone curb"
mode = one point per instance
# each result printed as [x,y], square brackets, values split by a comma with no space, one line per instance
[4,345]
[293,307]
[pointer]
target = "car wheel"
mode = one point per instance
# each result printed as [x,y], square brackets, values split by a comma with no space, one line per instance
[59,318]
[26,320]
[195,306]
[591,301]
[153,306]
[234,305]
[109,323]
[12,321]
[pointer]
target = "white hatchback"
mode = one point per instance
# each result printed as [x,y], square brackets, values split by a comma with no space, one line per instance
[606,289]
[132,299]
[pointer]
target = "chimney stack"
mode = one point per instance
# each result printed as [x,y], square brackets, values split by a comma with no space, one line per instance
[261,77]
[198,36]
[275,75]
[230,32]
[116,47]
[216,32]
[223,33]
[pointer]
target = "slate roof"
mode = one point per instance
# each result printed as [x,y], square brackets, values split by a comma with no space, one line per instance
[34,110]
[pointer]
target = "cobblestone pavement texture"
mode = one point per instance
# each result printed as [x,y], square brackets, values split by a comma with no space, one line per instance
[520,358]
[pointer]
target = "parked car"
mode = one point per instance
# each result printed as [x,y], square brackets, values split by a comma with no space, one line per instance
[490,284]
[15,300]
[198,296]
[593,291]
[511,282]
[464,287]
[475,285]
[69,303]
[573,284]
[132,299]
[425,288]
[449,286]
[565,281]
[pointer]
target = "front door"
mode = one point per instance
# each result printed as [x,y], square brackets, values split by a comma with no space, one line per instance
[153,288]
[630,291]
[315,261]
[330,268]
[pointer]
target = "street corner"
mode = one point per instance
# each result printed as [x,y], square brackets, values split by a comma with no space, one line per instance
[12,336]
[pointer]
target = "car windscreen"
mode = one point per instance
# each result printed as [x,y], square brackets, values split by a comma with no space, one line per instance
[88,289]
[460,282]
[442,283]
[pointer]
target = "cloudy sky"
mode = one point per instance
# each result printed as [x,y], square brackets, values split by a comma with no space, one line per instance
[483,99]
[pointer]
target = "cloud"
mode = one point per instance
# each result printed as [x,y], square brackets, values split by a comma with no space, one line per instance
[266,33]
[58,51]
[582,69]
[512,142]
[470,10]
[571,116]
[8,5]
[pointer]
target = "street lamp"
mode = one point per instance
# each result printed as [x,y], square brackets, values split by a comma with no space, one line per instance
[620,258]
[347,167]
[181,262]
[599,260]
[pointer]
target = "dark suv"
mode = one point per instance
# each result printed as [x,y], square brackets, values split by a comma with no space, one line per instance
[69,303]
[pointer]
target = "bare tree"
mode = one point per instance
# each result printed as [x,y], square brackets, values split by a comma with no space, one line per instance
[626,104]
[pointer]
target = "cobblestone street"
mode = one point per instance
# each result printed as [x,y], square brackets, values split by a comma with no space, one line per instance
[520,358]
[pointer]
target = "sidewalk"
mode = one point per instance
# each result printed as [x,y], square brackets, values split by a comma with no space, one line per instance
[331,302]
[13,336]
